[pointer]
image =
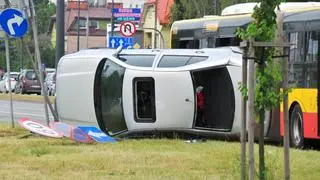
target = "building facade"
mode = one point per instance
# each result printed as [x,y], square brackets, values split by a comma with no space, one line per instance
[152,39]
[92,28]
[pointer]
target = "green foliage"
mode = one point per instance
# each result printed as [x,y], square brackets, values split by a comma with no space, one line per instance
[268,74]
[189,9]
[44,11]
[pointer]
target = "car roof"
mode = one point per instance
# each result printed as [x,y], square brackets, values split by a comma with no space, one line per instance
[105,52]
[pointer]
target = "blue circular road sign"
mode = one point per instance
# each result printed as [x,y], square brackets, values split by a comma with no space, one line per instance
[13,22]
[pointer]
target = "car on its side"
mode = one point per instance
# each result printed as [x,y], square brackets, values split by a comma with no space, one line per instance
[28,82]
[4,82]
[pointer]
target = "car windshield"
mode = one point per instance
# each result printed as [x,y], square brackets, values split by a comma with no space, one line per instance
[13,76]
[31,75]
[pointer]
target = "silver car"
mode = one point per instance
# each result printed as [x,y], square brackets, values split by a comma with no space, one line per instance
[4,83]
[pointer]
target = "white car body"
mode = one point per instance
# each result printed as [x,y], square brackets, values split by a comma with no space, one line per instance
[4,83]
[78,82]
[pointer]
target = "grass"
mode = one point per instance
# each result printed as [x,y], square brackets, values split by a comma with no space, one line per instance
[38,157]
[25,97]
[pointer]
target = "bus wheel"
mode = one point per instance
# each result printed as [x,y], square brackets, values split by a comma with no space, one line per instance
[296,127]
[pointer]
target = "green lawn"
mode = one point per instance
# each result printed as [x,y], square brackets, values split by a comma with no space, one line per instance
[38,157]
[25,97]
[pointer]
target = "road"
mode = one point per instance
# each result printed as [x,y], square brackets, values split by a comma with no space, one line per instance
[32,110]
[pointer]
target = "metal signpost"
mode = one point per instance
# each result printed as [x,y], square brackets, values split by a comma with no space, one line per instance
[13,24]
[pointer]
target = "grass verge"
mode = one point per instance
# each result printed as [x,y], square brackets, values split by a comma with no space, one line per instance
[25,97]
[38,157]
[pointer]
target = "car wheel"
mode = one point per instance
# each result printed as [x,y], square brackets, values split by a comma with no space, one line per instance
[296,127]
[21,90]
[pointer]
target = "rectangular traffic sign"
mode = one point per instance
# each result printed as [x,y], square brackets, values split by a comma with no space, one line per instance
[96,134]
[126,14]
[116,41]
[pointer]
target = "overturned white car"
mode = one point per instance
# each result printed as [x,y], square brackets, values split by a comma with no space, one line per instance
[151,90]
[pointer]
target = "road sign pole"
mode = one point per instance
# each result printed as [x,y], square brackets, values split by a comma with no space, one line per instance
[112,18]
[155,22]
[78,27]
[38,57]
[9,78]
[6,39]
[60,31]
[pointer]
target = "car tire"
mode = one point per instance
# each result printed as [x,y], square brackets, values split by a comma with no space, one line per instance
[21,90]
[296,127]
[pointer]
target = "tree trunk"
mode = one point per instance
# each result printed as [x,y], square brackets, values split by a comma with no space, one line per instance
[261,146]
[243,135]
[251,113]
[286,140]
[261,134]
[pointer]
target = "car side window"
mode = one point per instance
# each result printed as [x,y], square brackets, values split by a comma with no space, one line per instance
[168,61]
[141,60]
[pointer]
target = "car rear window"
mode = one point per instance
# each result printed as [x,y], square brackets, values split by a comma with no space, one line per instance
[168,61]
[30,75]
[138,60]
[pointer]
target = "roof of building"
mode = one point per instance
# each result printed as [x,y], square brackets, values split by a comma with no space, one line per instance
[163,9]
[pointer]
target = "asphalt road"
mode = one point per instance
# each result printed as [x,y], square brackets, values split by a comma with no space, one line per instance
[32,110]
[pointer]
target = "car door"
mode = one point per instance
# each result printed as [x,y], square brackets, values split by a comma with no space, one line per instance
[158,100]
[175,99]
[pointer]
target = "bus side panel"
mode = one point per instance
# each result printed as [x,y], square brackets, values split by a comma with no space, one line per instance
[307,100]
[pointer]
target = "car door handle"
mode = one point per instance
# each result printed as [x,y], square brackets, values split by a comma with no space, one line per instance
[187,100]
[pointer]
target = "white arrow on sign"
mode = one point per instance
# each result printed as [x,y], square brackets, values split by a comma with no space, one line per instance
[99,135]
[112,43]
[16,20]
[121,42]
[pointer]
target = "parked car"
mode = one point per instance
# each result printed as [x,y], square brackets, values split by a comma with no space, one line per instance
[50,83]
[28,82]
[4,83]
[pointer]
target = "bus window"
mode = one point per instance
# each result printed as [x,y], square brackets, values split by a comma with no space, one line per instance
[144,99]
[230,41]
[312,51]
[303,59]
[211,42]
[189,44]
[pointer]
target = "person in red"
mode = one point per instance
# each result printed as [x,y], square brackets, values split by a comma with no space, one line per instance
[200,106]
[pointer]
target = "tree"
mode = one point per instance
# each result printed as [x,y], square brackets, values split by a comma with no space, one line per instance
[44,10]
[268,74]
[189,9]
